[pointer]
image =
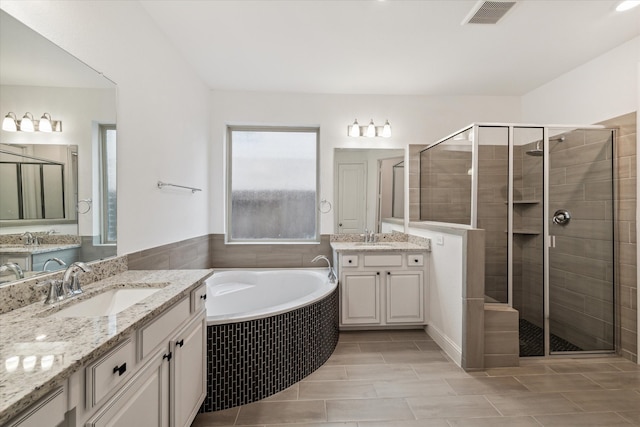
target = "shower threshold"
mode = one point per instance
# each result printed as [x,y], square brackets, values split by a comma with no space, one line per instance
[532,341]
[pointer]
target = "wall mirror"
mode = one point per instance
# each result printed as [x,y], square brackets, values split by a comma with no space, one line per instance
[61,183]
[369,189]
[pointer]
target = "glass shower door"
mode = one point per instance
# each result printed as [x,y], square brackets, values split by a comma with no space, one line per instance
[580,273]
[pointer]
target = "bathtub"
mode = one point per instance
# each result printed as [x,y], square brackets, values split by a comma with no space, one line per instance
[266,330]
[240,295]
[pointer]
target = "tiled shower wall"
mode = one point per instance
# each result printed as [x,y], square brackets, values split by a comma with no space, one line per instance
[445,185]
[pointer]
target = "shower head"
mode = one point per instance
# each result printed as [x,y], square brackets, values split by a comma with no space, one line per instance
[538,151]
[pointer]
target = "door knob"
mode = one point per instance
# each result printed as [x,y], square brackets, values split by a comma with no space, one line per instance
[561,217]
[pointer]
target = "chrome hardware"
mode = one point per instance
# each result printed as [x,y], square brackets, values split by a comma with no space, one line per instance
[332,274]
[561,217]
[369,236]
[15,268]
[56,291]
[58,260]
[70,281]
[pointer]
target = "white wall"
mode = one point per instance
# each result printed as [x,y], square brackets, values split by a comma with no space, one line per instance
[163,113]
[601,89]
[414,120]
[445,289]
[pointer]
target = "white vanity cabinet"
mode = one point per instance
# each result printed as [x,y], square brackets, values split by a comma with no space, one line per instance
[47,411]
[165,374]
[382,289]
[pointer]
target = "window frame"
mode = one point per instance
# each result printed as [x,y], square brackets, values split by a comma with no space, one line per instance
[104,196]
[229,184]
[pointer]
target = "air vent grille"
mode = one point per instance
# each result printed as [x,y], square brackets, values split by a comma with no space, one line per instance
[488,12]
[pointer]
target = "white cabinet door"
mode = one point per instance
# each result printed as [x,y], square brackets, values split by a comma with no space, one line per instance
[142,402]
[405,297]
[361,298]
[188,372]
[47,411]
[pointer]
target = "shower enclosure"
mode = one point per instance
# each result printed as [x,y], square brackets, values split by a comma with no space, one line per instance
[545,196]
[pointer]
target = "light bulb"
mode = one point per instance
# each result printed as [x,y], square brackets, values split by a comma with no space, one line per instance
[371,129]
[386,130]
[9,123]
[26,124]
[45,123]
[354,129]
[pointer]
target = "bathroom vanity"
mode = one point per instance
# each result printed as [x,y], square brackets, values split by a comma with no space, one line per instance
[141,365]
[382,284]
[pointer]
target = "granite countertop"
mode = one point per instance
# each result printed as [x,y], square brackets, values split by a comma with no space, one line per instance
[38,353]
[377,247]
[36,249]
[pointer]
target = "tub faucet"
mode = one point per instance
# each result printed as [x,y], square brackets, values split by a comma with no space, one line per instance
[332,274]
[58,260]
[70,280]
[15,268]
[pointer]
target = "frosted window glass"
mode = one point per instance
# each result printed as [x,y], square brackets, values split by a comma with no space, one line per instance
[273,185]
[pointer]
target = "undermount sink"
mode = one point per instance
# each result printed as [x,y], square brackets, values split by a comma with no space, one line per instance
[106,303]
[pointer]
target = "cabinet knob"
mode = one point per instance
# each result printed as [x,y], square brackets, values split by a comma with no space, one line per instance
[167,356]
[179,343]
[203,296]
[378,273]
[388,273]
[120,369]
[350,261]
[415,260]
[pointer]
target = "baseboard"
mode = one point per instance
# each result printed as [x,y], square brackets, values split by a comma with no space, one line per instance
[445,343]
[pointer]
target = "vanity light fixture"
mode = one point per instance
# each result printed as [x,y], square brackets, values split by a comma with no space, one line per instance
[29,124]
[370,131]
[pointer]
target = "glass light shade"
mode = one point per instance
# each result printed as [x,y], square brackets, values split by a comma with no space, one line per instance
[371,129]
[386,130]
[9,123]
[354,129]
[45,123]
[26,124]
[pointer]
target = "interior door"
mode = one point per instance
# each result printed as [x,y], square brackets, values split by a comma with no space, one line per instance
[351,197]
[581,244]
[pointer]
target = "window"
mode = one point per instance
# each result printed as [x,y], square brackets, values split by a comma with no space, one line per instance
[108,187]
[272,191]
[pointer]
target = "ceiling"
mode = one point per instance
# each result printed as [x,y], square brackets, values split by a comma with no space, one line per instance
[36,61]
[388,47]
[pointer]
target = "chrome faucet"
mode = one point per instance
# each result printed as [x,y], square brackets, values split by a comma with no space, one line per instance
[58,260]
[332,274]
[28,239]
[369,236]
[70,280]
[15,268]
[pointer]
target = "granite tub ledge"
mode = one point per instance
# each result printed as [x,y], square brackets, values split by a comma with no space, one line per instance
[70,343]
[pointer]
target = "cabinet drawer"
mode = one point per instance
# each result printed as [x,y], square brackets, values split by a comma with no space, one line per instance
[349,260]
[156,332]
[394,260]
[417,260]
[47,411]
[109,372]
[198,298]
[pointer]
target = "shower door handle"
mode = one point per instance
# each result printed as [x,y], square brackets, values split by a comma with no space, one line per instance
[561,217]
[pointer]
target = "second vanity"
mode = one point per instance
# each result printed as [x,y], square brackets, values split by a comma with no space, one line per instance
[382,284]
[143,365]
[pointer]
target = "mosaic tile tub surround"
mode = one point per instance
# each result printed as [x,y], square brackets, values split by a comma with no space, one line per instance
[251,360]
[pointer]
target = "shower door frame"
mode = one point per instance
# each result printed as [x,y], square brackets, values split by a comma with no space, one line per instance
[545,219]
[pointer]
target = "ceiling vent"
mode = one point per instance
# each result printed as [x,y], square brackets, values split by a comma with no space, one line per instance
[488,12]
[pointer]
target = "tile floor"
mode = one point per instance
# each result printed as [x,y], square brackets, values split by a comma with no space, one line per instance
[403,379]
